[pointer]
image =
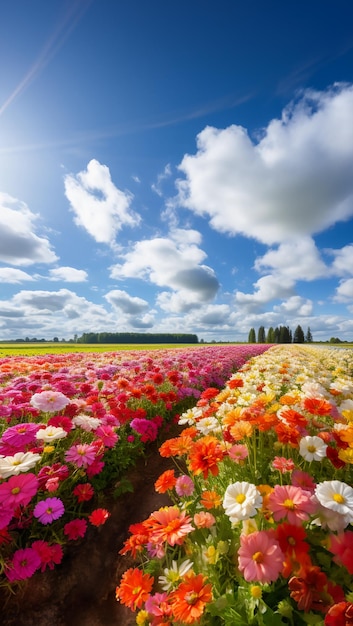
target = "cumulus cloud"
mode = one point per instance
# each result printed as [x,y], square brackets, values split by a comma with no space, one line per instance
[157,187]
[130,305]
[174,262]
[344,292]
[68,274]
[292,181]
[343,260]
[297,260]
[12,275]
[19,242]
[98,205]
[295,305]
[267,288]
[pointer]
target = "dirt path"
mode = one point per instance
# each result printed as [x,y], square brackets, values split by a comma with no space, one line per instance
[81,591]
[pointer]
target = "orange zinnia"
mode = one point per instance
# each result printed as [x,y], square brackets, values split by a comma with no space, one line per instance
[204,456]
[165,482]
[211,500]
[241,429]
[317,406]
[134,588]
[177,446]
[188,601]
[170,525]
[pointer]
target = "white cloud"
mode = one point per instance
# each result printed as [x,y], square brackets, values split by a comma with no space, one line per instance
[295,181]
[343,260]
[344,292]
[267,288]
[19,243]
[157,187]
[130,305]
[295,305]
[174,262]
[68,274]
[99,206]
[11,275]
[297,260]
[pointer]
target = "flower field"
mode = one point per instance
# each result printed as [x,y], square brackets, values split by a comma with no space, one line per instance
[72,425]
[259,526]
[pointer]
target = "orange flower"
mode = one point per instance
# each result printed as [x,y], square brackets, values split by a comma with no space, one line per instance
[137,541]
[176,446]
[134,588]
[188,601]
[170,525]
[288,400]
[233,383]
[165,482]
[241,429]
[232,416]
[211,500]
[204,456]
[287,434]
[317,406]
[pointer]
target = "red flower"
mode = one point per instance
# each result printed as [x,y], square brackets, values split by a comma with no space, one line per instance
[340,614]
[205,455]
[99,517]
[310,590]
[134,588]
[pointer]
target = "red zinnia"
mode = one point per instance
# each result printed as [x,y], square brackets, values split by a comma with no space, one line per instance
[99,517]
[134,588]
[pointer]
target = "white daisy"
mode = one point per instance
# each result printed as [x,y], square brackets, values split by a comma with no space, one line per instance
[20,462]
[86,422]
[336,496]
[173,574]
[312,448]
[241,501]
[51,433]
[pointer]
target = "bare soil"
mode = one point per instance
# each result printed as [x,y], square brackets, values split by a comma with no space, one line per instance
[81,590]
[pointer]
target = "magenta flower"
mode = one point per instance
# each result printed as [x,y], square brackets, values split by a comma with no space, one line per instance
[6,516]
[108,435]
[260,557]
[49,401]
[23,565]
[146,428]
[50,555]
[292,503]
[18,490]
[46,511]
[20,435]
[75,529]
[81,454]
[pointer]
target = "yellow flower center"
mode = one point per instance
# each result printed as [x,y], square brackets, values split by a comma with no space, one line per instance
[256,592]
[338,498]
[15,490]
[289,504]
[240,498]
[191,597]
[258,557]
[312,449]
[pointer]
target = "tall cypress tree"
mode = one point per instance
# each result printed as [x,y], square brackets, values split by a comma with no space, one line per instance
[261,335]
[298,336]
[252,336]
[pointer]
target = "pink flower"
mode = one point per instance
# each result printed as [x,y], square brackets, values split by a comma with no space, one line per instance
[303,480]
[292,503]
[108,435]
[49,401]
[204,519]
[342,547]
[238,452]
[260,557]
[52,471]
[146,428]
[20,435]
[23,565]
[282,464]
[46,511]
[52,484]
[75,529]
[49,555]
[18,490]
[6,516]
[184,486]
[81,454]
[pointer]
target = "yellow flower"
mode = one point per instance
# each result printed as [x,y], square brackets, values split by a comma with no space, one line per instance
[346,455]
[142,618]
[211,555]
[48,449]
[256,592]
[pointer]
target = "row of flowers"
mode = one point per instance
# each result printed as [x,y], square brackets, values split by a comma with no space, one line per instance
[70,428]
[259,527]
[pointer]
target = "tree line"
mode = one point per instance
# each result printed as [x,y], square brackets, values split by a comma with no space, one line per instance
[280,334]
[137,338]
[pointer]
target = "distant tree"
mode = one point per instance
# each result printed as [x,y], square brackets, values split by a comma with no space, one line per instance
[261,335]
[56,339]
[270,338]
[335,340]
[252,336]
[285,335]
[308,336]
[298,335]
[276,334]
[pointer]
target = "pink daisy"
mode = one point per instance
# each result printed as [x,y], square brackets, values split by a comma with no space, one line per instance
[75,529]
[238,452]
[292,503]
[49,401]
[23,565]
[18,490]
[46,511]
[282,464]
[49,554]
[81,454]
[108,435]
[184,486]
[20,435]
[260,557]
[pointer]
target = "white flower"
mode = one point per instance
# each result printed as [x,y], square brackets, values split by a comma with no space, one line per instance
[336,496]
[190,416]
[86,422]
[208,425]
[173,574]
[50,433]
[20,462]
[241,501]
[312,448]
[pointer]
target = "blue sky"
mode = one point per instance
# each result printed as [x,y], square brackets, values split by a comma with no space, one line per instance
[176,167]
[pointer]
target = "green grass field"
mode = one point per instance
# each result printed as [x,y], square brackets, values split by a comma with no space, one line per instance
[36,348]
